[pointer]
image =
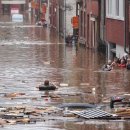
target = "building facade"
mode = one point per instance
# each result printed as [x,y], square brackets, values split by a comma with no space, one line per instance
[117,27]
[61,13]
[88,12]
[70,13]
[53,13]
[12,6]
[67,10]
[106,21]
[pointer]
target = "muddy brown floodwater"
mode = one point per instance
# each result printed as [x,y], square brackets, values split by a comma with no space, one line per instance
[30,54]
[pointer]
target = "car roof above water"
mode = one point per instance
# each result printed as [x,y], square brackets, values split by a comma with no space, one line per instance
[17,18]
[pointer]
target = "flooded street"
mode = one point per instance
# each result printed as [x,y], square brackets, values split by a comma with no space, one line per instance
[30,54]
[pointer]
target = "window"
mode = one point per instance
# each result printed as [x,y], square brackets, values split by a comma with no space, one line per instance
[115,9]
[109,6]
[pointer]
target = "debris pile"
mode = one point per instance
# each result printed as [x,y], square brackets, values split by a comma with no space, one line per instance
[24,115]
[123,112]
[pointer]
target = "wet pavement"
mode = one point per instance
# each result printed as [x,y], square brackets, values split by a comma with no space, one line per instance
[30,54]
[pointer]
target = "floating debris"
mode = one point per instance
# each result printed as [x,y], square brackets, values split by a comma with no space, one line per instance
[53,96]
[2,122]
[122,112]
[11,122]
[84,84]
[2,109]
[77,105]
[11,95]
[93,114]
[24,120]
[64,85]
[93,91]
[47,63]
[12,116]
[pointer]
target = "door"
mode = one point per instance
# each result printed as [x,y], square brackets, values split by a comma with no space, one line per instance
[6,9]
[94,35]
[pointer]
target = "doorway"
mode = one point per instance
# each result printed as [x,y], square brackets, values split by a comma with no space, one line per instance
[6,9]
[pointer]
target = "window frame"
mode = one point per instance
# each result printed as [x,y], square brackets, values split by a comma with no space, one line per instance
[114,12]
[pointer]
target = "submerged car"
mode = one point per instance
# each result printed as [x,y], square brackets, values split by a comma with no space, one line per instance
[17,18]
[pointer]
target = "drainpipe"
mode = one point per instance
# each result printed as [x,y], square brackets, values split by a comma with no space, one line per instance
[64,20]
[126,5]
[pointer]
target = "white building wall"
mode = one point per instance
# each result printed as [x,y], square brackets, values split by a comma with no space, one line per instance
[119,51]
[70,12]
[47,13]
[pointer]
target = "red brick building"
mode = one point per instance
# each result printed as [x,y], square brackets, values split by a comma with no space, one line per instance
[117,27]
[88,22]
[107,21]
